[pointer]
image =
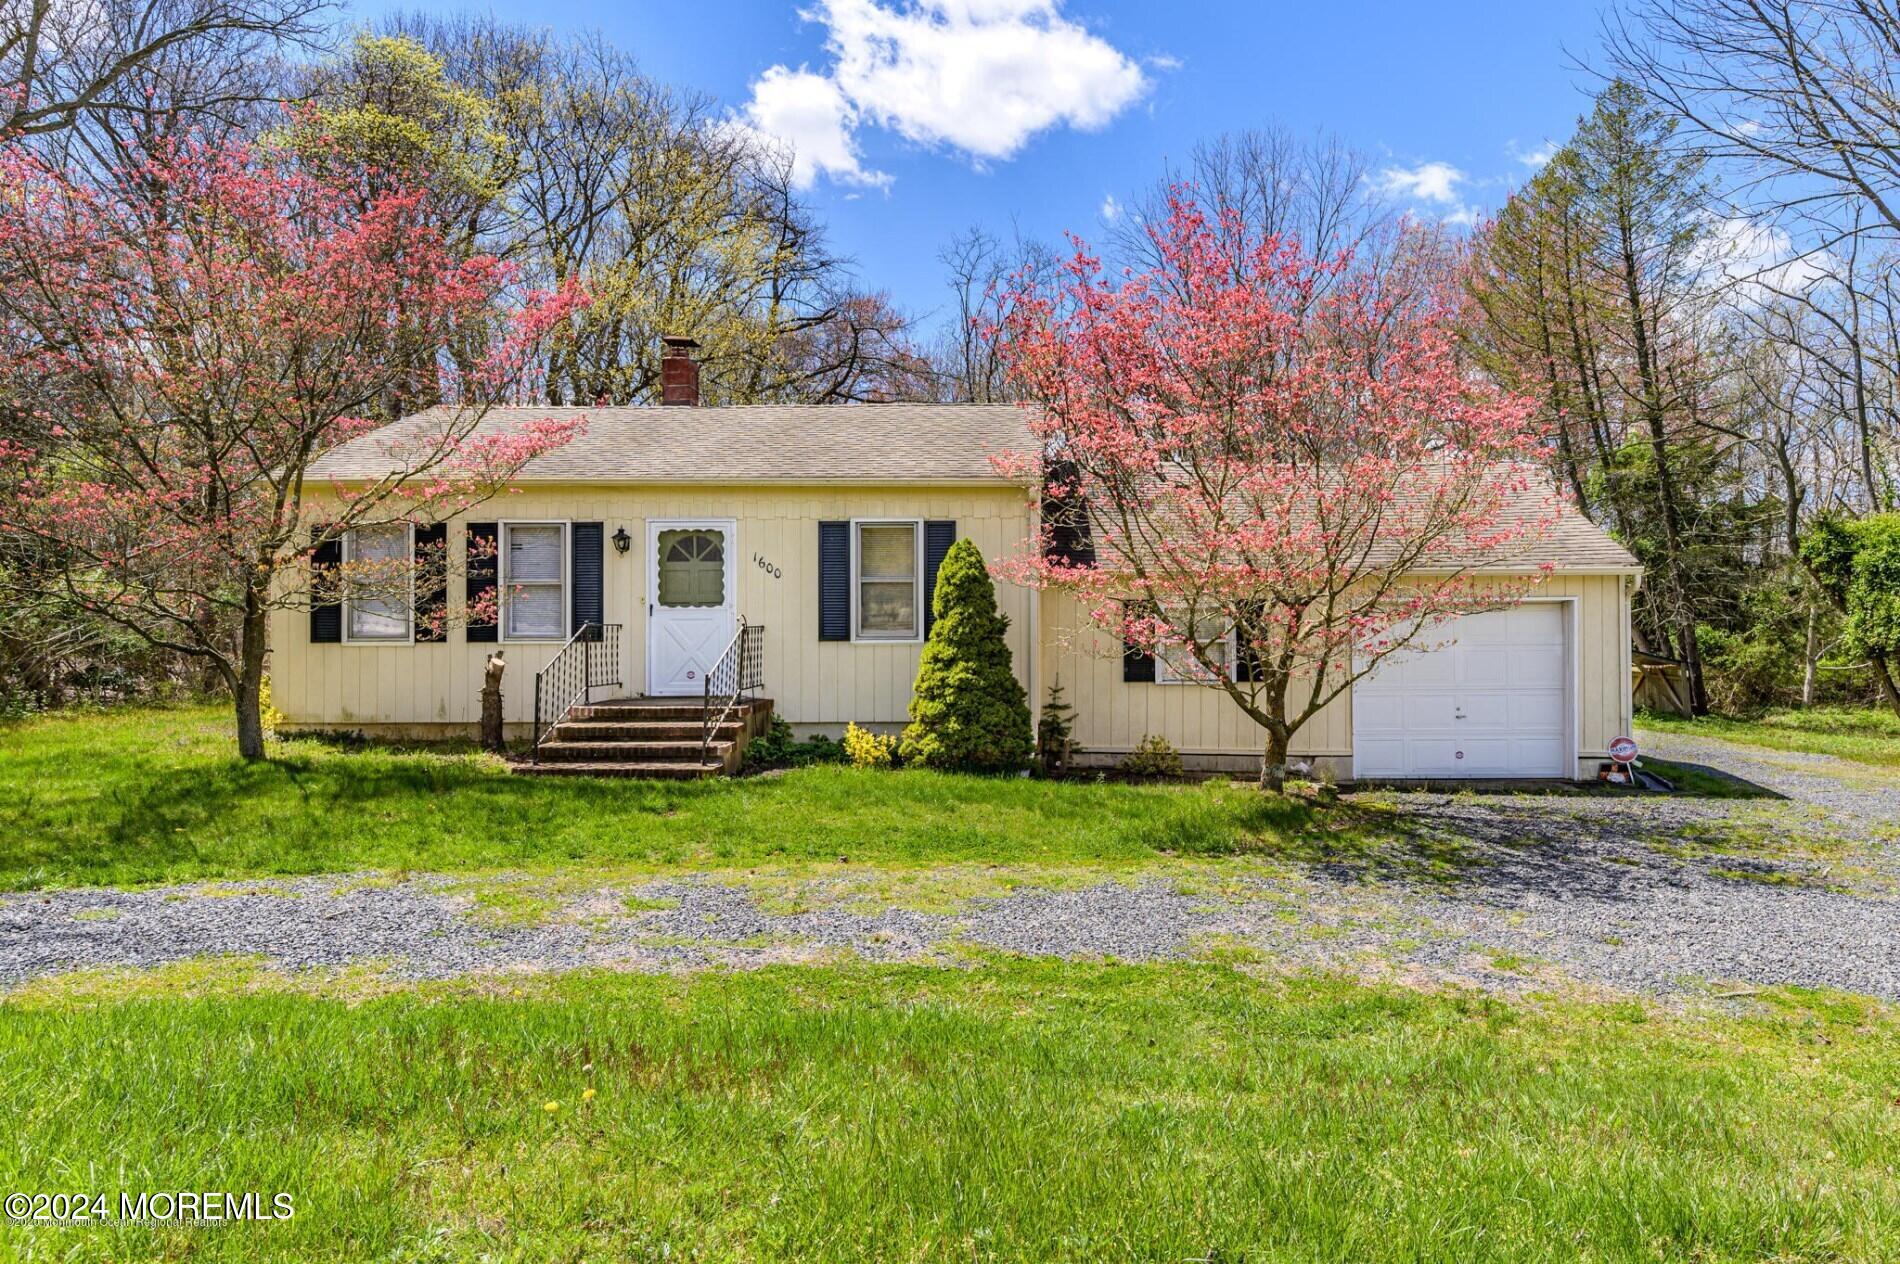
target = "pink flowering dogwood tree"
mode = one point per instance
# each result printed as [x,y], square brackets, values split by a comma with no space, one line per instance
[1282,472]
[180,341]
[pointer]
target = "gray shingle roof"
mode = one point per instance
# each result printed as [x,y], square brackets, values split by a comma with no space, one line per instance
[1548,529]
[1555,530]
[777,443]
[1573,541]
[827,443]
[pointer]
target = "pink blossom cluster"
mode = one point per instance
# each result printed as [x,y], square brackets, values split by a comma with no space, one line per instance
[1271,447]
[182,338]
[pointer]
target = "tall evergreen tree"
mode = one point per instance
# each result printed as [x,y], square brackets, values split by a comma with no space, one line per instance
[968,711]
[1594,288]
[1649,201]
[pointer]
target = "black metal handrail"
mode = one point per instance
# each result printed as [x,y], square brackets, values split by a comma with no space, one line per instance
[739,671]
[589,660]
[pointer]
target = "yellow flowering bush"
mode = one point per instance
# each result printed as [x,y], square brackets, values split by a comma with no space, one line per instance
[269,715]
[868,749]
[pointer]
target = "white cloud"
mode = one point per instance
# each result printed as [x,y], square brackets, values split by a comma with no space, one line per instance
[978,76]
[1433,183]
[1536,159]
[809,117]
[1111,209]
[1427,182]
[1759,258]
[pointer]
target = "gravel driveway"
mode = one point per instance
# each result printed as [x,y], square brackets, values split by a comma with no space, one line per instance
[1864,798]
[1505,892]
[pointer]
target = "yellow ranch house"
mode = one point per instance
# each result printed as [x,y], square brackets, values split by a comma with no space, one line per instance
[673,566]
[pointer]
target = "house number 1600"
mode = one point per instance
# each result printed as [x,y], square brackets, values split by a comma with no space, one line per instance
[767,567]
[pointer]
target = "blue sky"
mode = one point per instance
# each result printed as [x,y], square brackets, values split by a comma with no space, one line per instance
[914,119]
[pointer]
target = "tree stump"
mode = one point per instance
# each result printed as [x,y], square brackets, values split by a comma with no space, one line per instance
[491,702]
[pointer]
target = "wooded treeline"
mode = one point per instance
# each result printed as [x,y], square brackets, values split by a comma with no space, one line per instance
[1699,286]
[557,156]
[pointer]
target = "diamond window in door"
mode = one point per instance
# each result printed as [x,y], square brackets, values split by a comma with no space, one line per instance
[692,568]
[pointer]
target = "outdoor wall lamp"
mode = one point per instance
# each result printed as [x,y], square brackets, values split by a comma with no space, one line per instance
[622,541]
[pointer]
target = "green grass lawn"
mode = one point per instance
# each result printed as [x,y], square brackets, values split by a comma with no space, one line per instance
[1006,1109]
[1703,785]
[1011,1110]
[1862,734]
[149,795]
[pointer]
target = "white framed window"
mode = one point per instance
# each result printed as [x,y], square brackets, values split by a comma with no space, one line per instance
[373,614]
[533,581]
[887,569]
[1175,665]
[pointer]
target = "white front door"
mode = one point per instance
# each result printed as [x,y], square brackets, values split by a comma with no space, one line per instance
[1486,697]
[690,600]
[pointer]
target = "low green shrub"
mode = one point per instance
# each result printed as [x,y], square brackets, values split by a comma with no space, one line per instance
[1154,758]
[1055,734]
[1857,563]
[1756,662]
[778,748]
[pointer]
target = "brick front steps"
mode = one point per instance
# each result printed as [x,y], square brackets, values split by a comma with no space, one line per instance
[647,737]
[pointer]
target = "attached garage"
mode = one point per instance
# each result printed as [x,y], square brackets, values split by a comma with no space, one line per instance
[1534,692]
[1488,695]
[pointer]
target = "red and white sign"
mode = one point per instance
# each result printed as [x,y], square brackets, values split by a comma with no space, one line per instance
[1623,750]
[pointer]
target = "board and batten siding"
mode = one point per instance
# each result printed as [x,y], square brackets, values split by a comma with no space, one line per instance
[392,688]
[1113,715]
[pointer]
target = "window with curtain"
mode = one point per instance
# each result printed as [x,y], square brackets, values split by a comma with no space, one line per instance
[888,570]
[534,581]
[376,605]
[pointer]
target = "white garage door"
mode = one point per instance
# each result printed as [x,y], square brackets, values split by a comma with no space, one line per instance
[1486,699]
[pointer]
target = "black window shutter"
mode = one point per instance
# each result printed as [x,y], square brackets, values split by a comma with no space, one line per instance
[1067,539]
[834,581]
[326,606]
[428,554]
[1246,658]
[480,573]
[938,537]
[587,601]
[1138,665]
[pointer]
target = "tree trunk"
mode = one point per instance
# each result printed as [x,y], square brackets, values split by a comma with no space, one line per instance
[1810,654]
[1884,675]
[250,720]
[491,703]
[1273,762]
[1692,659]
[1559,399]
[1649,380]
[248,688]
[1875,499]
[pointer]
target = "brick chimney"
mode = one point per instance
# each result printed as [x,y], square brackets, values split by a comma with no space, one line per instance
[679,372]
